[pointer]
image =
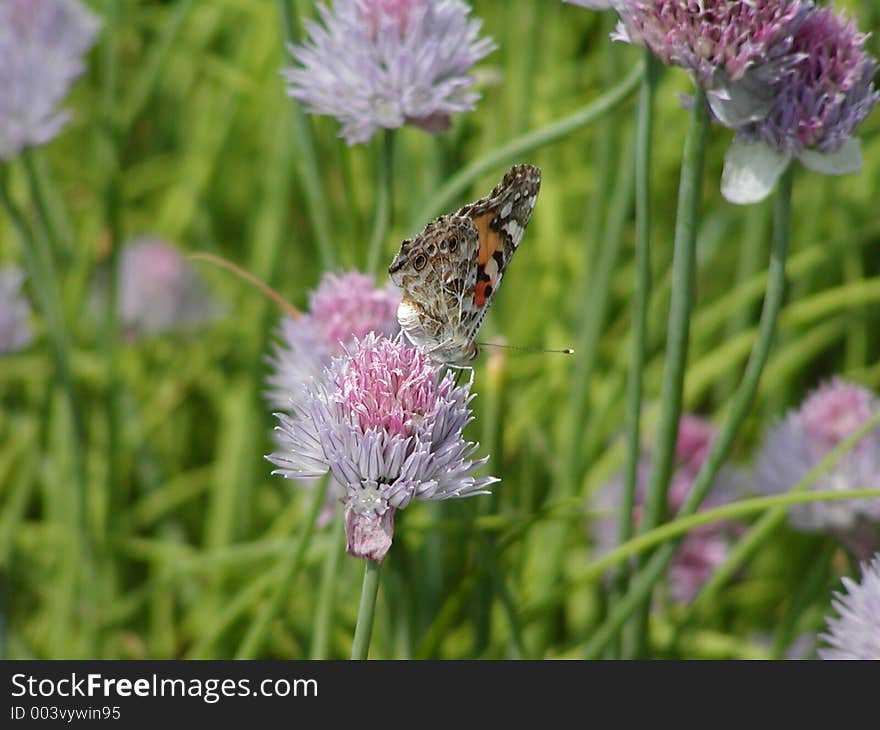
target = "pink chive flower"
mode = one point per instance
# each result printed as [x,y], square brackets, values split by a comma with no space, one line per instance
[817,109]
[159,290]
[388,428]
[15,333]
[704,548]
[737,50]
[380,64]
[855,632]
[42,45]
[343,308]
[793,447]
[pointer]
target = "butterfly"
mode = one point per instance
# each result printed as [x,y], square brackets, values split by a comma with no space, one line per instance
[450,273]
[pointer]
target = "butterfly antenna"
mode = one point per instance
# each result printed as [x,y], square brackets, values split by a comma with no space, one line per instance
[566,351]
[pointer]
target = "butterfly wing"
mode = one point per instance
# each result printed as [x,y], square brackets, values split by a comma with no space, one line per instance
[500,220]
[450,273]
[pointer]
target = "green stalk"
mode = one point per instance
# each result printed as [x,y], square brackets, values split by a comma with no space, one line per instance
[44,286]
[59,243]
[384,205]
[145,83]
[678,332]
[326,597]
[307,159]
[283,581]
[641,297]
[360,647]
[641,588]
[112,185]
[514,150]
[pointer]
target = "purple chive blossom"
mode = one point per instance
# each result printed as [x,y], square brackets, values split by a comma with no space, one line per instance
[42,44]
[817,109]
[159,290]
[804,437]
[15,334]
[386,426]
[855,632]
[737,50]
[343,308]
[384,63]
[705,547]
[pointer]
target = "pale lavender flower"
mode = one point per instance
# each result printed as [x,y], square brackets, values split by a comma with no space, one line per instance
[737,50]
[42,44]
[159,291]
[388,427]
[343,308]
[855,632]
[705,547]
[15,333]
[377,64]
[817,108]
[804,437]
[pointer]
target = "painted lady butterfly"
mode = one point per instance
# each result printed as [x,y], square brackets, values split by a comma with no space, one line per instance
[451,271]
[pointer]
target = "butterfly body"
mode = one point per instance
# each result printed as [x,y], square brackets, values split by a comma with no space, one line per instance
[450,273]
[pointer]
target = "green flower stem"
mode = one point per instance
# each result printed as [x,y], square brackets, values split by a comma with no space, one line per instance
[326,597]
[283,580]
[360,647]
[641,297]
[775,506]
[151,69]
[641,588]
[811,582]
[384,205]
[513,150]
[682,525]
[59,244]
[112,185]
[307,159]
[678,332]
[44,286]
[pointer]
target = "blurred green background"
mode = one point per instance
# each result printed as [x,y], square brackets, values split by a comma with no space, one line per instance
[191,539]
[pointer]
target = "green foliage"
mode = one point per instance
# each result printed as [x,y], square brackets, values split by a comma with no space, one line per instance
[188,548]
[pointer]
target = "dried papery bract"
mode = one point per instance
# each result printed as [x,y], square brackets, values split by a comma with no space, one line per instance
[380,64]
[389,429]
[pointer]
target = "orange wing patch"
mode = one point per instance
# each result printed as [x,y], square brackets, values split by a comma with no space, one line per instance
[487,266]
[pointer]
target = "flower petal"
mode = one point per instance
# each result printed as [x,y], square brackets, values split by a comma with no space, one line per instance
[751,170]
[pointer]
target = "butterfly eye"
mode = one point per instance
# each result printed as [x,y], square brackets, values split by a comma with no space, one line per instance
[420,261]
[453,245]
